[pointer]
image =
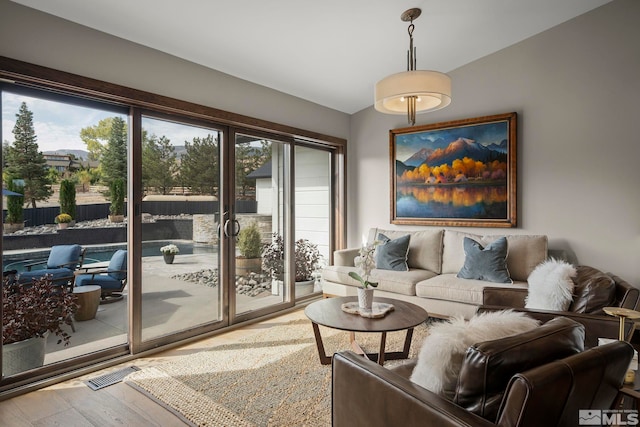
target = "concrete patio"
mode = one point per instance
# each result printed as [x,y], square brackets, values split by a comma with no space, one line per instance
[168,305]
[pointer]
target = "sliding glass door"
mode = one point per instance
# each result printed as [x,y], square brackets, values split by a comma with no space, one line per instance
[181,287]
[260,217]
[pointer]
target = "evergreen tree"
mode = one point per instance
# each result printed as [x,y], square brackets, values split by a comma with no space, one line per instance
[159,164]
[248,159]
[199,166]
[26,162]
[114,155]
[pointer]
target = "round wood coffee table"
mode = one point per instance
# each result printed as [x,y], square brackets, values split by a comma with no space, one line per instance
[328,312]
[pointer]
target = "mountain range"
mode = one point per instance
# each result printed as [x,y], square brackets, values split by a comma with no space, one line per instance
[458,149]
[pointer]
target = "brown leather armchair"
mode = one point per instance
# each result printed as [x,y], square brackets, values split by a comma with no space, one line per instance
[594,289]
[499,384]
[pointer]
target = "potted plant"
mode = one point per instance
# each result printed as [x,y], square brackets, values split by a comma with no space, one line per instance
[116,193]
[63,220]
[169,252]
[365,263]
[307,259]
[250,247]
[31,311]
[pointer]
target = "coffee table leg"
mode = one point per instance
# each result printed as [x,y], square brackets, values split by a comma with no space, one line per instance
[383,343]
[354,344]
[407,343]
[324,359]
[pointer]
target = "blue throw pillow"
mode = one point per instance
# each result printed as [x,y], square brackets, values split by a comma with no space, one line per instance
[392,254]
[488,263]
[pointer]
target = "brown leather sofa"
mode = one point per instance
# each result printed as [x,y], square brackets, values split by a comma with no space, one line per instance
[538,378]
[594,290]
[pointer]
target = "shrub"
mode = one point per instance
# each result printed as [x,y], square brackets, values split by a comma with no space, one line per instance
[68,197]
[250,241]
[31,309]
[63,218]
[15,204]
[307,258]
[116,193]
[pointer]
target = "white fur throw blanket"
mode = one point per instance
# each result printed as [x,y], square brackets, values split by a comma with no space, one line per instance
[550,286]
[443,350]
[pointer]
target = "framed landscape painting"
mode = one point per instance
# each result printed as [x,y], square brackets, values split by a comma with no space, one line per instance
[459,173]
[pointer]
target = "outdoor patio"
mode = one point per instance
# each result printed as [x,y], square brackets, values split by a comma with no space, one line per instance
[168,305]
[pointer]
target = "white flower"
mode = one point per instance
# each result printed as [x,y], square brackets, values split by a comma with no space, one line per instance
[170,249]
[365,263]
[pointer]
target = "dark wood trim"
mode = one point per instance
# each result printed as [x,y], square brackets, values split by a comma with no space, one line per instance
[38,76]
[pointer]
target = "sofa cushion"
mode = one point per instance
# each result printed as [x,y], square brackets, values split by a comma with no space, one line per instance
[550,286]
[593,290]
[488,366]
[485,263]
[451,288]
[525,252]
[392,254]
[425,247]
[400,282]
[443,350]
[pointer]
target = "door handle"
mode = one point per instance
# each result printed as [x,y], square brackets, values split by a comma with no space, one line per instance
[225,229]
[236,228]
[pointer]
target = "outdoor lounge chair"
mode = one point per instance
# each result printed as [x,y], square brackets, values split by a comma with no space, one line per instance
[62,262]
[112,280]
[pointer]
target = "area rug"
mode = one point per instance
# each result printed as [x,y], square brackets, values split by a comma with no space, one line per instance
[271,378]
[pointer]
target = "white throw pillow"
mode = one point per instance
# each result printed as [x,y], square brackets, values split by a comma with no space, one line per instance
[443,350]
[550,286]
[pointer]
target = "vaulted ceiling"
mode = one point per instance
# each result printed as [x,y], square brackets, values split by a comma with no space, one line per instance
[330,52]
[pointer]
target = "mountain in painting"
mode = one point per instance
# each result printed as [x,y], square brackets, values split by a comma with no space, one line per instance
[401,167]
[418,157]
[502,147]
[463,147]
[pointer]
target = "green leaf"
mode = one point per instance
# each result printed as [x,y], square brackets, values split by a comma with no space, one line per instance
[357,277]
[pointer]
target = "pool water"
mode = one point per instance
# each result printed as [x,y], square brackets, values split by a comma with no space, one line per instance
[104,253]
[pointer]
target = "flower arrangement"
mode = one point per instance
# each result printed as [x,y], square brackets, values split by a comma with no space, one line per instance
[32,309]
[365,263]
[63,218]
[169,249]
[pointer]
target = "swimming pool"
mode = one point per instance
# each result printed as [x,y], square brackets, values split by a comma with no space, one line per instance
[17,260]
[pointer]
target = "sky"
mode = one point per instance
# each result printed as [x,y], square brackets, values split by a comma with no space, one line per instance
[57,125]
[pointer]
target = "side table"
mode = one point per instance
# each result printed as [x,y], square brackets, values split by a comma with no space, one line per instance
[88,301]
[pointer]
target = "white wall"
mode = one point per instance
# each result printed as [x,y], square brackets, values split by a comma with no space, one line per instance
[38,38]
[576,89]
[312,183]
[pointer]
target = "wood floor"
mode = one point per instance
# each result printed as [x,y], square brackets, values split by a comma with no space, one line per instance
[73,404]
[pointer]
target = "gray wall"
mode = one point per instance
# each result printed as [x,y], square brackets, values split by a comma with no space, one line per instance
[32,36]
[576,89]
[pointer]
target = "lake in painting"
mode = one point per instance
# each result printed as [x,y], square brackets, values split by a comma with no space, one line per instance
[481,202]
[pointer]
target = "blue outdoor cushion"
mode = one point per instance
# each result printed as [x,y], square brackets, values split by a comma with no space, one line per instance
[118,265]
[489,263]
[64,255]
[102,280]
[57,275]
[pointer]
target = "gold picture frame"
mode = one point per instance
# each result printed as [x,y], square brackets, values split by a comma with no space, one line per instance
[458,173]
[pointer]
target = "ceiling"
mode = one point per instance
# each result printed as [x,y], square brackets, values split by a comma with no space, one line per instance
[330,52]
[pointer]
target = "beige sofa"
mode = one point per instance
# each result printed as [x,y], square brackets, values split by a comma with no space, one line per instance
[435,256]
